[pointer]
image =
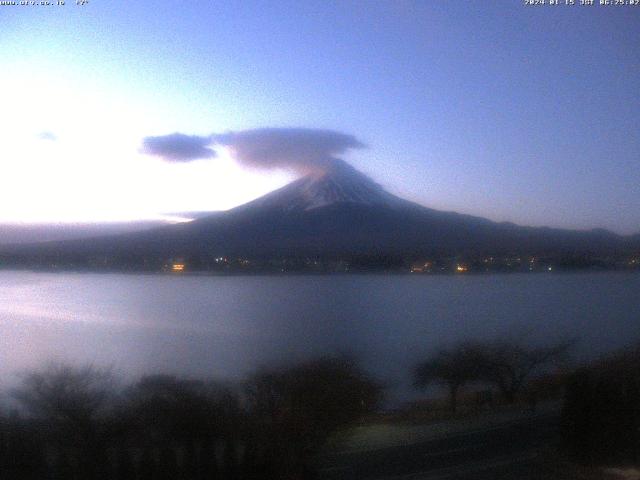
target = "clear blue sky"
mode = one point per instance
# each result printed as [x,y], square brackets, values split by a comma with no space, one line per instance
[511,112]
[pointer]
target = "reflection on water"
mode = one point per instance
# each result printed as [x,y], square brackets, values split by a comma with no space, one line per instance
[228,326]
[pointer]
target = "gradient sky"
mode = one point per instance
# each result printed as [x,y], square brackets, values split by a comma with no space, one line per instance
[525,114]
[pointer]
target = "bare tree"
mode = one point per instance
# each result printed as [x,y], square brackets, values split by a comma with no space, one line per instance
[508,364]
[71,404]
[63,394]
[452,368]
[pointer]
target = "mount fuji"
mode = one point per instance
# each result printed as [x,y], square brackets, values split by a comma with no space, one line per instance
[334,213]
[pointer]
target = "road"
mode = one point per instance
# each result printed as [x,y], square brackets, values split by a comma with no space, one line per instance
[506,451]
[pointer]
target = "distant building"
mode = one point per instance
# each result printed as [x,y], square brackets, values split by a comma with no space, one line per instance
[178,267]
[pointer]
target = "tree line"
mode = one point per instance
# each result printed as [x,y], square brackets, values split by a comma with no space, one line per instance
[77,423]
[68,422]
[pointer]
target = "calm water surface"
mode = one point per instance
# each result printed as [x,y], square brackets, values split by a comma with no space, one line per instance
[228,326]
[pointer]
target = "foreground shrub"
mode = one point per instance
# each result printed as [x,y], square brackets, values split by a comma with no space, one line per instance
[76,423]
[601,411]
[295,410]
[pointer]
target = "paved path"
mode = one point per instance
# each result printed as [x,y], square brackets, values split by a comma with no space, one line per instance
[510,450]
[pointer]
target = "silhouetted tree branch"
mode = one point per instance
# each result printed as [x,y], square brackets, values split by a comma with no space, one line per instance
[452,368]
[508,364]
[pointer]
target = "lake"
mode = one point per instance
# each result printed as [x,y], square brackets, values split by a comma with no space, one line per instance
[227,326]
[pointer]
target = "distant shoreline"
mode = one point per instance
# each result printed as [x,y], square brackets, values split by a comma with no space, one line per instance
[402,273]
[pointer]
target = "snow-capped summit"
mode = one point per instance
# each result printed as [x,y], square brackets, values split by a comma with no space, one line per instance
[339,183]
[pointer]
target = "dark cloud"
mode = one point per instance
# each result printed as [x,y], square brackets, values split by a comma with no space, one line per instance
[178,147]
[47,136]
[300,149]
